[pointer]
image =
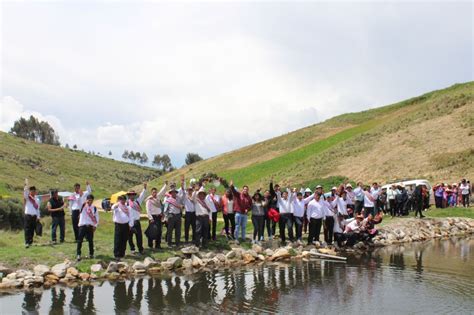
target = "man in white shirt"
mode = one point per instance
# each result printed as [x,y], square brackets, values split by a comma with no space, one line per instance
[286,217]
[32,212]
[214,201]
[376,191]
[189,215]
[154,212]
[76,201]
[173,212]
[203,217]
[359,198]
[350,199]
[88,221]
[465,188]
[298,209]
[135,209]
[369,201]
[123,224]
[391,196]
[315,213]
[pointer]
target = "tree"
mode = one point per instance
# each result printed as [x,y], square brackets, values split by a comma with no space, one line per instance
[166,163]
[192,158]
[131,156]
[138,157]
[144,158]
[157,161]
[66,146]
[74,147]
[35,130]
[125,155]
[110,153]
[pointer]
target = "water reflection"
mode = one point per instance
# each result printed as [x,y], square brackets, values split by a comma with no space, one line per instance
[438,274]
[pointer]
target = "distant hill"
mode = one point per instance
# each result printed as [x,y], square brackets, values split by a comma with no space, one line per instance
[430,136]
[49,166]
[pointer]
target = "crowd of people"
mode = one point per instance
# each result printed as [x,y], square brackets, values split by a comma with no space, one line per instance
[345,215]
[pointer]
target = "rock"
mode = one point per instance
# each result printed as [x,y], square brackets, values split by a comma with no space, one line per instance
[196,261]
[150,262]
[248,258]
[154,270]
[230,255]
[166,265]
[268,252]
[220,257]
[84,276]
[257,248]
[70,277]
[96,268]
[175,261]
[253,253]
[113,276]
[209,255]
[112,267]
[139,266]
[123,267]
[51,278]
[327,251]
[11,276]
[305,254]
[280,253]
[93,276]
[11,283]
[261,257]
[72,271]
[23,273]
[60,269]
[187,263]
[41,270]
[190,250]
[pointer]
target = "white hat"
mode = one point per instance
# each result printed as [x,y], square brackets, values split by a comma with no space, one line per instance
[192,181]
[334,188]
[307,190]
[349,185]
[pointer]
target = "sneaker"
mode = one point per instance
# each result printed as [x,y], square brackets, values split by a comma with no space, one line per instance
[78,258]
[27,245]
[54,242]
[134,252]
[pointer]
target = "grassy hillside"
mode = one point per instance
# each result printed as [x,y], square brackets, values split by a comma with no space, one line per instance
[50,166]
[429,136]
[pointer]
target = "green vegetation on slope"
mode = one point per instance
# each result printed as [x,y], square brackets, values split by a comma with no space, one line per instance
[50,166]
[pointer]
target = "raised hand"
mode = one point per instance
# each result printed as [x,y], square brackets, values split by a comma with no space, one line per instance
[145,184]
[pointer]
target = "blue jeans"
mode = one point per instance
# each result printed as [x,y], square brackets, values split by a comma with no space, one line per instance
[57,222]
[240,225]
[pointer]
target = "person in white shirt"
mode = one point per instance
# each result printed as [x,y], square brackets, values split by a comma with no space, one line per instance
[88,221]
[190,214]
[391,197]
[76,201]
[376,191]
[340,203]
[352,230]
[298,207]
[359,198]
[214,201]
[123,224]
[153,210]
[203,217]
[284,200]
[328,218]
[350,200]
[135,209]
[315,213]
[465,188]
[370,198]
[173,212]
[32,212]
[339,227]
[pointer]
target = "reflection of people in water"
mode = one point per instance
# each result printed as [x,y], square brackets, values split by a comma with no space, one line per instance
[174,296]
[154,295]
[31,302]
[125,301]
[397,260]
[82,301]
[57,301]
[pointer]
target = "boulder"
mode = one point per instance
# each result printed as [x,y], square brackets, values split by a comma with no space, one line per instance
[176,262]
[139,266]
[23,273]
[41,270]
[281,253]
[257,248]
[196,261]
[166,265]
[187,263]
[60,269]
[150,262]
[11,276]
[123,267]
[154,270]
[268,252]
[51,278]
[72,271]
[230,255]
[96,268]
[327,251]
[190,250]
[113,276]
[84,276]
[261,257]
[251,252]
[209,255]
[248,258]
[11,283]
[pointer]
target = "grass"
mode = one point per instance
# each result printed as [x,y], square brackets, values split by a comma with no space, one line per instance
[451,212]
[50,166]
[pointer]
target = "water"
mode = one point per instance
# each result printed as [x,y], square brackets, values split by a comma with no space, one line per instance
[433,277]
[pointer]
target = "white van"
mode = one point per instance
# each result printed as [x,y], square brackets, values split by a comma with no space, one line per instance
[411,184]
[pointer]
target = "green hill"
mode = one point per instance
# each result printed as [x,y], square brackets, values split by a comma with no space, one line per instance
[429,136]
[50,166]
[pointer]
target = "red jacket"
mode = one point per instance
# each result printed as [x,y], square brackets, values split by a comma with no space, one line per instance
[242,202]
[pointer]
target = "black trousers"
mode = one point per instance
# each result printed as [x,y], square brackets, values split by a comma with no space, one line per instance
[439,202]
[202,230]
[369,210]
[189,221]
[314,230]
[274,225]
[286,220]
[358,205]
[465,200]
[174,224]
[137,231]
[30,226]
[268,225]
[393,206]
[75,221]
[213,226]
[258,222]
[418,207]
[229,221]
[352,238]
[58,222]
[339,238]
[86,231]
[328,229]
[157,222]
[299,221]
[121,234]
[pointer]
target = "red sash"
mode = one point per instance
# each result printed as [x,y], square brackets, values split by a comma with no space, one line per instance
[91,214]
[173,202]
[202,203]
[124,208]
[135,205]
[33,201]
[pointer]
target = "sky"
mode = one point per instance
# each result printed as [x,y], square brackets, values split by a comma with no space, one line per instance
[208,77]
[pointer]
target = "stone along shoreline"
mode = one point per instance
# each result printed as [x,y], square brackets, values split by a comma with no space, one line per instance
[193,260]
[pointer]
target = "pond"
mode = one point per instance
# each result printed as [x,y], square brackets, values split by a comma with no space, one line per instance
[431,277]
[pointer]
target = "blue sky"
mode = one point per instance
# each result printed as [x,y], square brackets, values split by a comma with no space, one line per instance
[211,77]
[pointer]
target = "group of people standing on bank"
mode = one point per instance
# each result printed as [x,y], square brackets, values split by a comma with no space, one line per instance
[453,195]
[345,215]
